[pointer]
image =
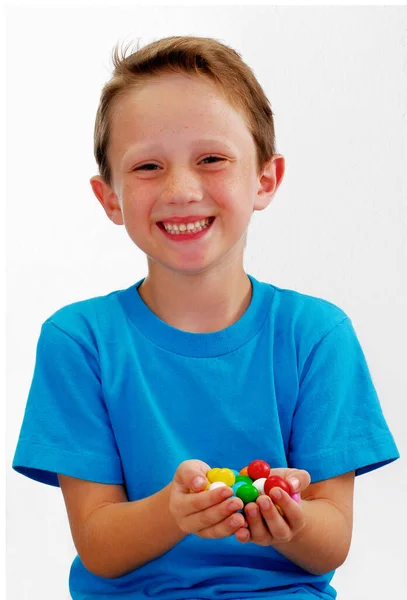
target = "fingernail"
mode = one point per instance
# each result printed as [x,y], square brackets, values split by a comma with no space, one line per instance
[295,483]
[198,483]
[296,498]
[275,494]
[235,522]
[264,503]
[225,493]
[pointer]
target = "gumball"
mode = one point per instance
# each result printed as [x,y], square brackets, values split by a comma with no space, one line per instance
[211,474]
[279,510]
[259,484]
[247,493]
[216,484]
[244,478]
[237,485]
[258,469]
[276,481]
[225,475]
[296,497]
[235,473]
[243,471]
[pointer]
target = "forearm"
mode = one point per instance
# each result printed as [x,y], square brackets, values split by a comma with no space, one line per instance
[120,537]
[323,543]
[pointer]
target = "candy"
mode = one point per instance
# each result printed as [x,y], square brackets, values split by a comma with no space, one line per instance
[259,484]
[258,469]
[211,474]
[276,481]
[249,482]
[244,478]
[216,484]
[237,485]
[247,493]
[225,475]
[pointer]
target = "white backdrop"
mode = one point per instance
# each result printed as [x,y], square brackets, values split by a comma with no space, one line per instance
[337,228]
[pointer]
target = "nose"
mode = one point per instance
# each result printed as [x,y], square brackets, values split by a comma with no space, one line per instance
[181,186]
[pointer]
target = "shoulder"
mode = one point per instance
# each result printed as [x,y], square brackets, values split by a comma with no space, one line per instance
[87,321]
[303,315]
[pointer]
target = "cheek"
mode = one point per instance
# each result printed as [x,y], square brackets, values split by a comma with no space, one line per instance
[135,204]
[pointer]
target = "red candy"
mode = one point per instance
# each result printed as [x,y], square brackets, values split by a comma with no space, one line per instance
[258,469]
[276,481]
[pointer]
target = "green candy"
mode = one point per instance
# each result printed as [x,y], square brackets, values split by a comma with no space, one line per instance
[244,478]
[247,493]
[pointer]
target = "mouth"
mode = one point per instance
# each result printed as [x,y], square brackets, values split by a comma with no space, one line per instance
[186,228]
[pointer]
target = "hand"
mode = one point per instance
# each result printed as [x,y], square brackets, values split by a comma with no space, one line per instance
[266,526]
[209,513]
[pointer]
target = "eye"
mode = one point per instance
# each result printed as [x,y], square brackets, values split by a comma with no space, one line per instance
[143,167]
[212,158]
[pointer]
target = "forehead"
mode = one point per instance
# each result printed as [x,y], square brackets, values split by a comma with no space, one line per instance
[175,105]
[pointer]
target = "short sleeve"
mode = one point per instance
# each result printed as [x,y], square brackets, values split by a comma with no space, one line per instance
[338,425]
[66,427]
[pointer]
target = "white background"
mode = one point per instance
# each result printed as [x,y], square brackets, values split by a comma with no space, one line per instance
[337,228]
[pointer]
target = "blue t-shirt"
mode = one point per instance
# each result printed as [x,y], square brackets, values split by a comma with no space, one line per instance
[120,397]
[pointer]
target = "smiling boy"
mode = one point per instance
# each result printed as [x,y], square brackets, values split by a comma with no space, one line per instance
[138,393]
[180,153]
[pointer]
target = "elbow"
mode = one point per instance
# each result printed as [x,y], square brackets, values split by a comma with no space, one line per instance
[97,568]
[330,564]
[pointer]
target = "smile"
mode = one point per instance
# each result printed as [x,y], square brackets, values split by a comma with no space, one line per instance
[187,228]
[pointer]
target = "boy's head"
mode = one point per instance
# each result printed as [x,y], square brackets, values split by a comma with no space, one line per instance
[202,57]
[184,140]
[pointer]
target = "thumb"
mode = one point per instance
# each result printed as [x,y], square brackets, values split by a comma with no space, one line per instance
[191,475]
[298,479]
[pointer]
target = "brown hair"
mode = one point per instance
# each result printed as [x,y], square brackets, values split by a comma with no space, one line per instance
[199,56]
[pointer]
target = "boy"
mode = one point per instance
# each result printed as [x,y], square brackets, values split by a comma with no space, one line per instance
[198,365]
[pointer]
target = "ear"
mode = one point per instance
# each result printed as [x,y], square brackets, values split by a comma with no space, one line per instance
[108,199]
[270,180]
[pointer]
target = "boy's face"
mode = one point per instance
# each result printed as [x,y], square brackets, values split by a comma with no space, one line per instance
[162,136]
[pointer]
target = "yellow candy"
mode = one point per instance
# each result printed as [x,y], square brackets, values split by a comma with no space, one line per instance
[212,473]
[225,475]
[279,510]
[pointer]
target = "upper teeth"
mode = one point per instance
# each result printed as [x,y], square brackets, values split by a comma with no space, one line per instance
[180,227]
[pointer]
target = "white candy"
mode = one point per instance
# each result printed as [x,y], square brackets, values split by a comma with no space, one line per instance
[259,484]
[216,484]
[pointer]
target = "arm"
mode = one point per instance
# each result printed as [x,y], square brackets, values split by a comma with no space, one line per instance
[315,535]
[114,536]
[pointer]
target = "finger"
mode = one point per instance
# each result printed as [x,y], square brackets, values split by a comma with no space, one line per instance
[211,516]
[298,479]
[243,535]
[191,475]
[225,528]
[277,526]
[190,503]
[259,532]
[292,511]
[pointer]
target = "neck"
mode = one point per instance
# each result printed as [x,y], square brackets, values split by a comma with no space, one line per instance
[198,303]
